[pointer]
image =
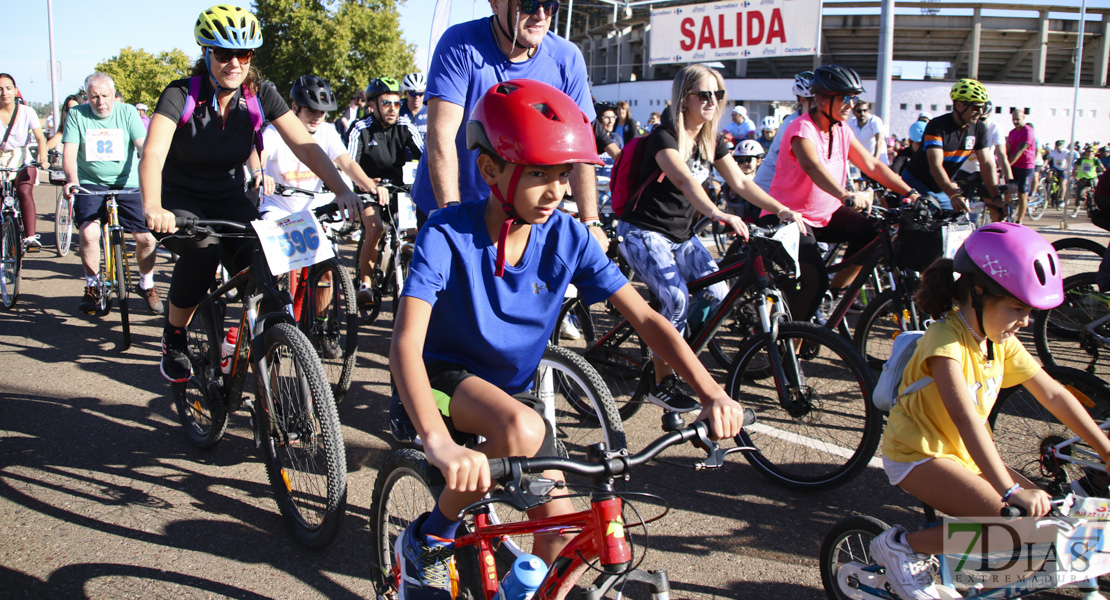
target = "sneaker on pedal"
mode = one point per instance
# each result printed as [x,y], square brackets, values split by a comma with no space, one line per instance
[32,243]
[667,394]
[325,337]
[175,365]
[569,331]
[365,295]
[90,302]
[427,565]
[153,302]
[910,574]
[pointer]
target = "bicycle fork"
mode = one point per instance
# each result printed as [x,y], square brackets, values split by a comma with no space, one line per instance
[786,372]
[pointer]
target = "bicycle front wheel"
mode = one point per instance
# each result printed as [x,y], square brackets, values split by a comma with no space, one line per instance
[1026,433]
[303,445]
[63,223]
[884,318]
[849,542]
[11,255]
[121,269]
[1057,332]
[330,320]
[1078,255]
[577,402]
[199,401]
[826,430]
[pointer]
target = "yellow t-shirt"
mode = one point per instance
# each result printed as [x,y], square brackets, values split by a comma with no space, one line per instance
[919,426]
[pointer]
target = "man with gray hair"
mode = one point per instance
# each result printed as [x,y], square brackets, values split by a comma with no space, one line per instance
[102,143]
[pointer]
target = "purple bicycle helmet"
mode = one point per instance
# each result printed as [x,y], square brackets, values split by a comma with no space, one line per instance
[1017,259]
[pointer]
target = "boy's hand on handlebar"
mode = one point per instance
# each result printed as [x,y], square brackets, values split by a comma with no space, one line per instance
[349,203]
[1037,503]
[160,220]
[736,223]
[724,415]
[464,469]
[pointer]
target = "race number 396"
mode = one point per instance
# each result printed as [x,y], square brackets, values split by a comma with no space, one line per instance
[298,241]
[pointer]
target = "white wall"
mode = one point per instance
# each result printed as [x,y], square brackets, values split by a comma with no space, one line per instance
[1041,100]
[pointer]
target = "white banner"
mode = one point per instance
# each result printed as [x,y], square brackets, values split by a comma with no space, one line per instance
[732,30]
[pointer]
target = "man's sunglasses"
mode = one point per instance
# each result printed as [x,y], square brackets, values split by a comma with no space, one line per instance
[531,7]
[707,95]
[413,94]
[388,103]
[225,55]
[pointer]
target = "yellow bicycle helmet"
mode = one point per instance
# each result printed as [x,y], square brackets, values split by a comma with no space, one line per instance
[231,27]
[969,90]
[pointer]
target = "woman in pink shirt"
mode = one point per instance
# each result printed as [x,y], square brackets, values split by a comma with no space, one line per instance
[811,177]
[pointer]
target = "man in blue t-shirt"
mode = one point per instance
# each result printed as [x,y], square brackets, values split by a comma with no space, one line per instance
[483,295]
[470,59]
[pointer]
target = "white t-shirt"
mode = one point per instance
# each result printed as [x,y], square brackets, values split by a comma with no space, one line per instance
[994,138]
[20,138]
[866,136]
[1058,159]
[286,169]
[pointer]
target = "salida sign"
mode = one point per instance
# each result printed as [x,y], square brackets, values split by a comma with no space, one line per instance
[730,30]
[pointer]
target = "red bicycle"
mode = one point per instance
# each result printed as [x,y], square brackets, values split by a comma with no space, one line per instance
[408,486]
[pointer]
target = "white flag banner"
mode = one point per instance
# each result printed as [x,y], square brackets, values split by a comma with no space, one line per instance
[732,30]
[441,17]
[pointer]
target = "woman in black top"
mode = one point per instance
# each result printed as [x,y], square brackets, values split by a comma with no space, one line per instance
[196,170]
[657,229]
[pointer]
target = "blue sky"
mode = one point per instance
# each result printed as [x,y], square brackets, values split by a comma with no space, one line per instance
[86,33]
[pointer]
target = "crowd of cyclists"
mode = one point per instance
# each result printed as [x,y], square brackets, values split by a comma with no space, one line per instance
[502,127]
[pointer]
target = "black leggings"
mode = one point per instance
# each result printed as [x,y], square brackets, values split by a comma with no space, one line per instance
[197,259]
[846,225]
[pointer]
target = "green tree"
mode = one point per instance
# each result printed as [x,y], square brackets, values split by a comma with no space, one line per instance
[347,42]
[141,76]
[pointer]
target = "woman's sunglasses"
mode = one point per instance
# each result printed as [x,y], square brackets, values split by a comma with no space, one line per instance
[707,95]
[224,55]
[531,7]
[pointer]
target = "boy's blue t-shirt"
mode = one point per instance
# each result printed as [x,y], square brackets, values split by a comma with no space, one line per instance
[498,327]
[465,65]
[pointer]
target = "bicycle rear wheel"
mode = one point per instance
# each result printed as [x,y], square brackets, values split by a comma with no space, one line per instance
[1057,331]
[199,401]
[1038,202]
[578,403]
[336,336]
[610,344]
[1078,255]
[831,431]
[121,269]
[303,445]
[11,255]
[63,223]
[849,541]
[878,326]
[1024,432]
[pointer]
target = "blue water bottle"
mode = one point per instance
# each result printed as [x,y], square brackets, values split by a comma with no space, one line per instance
[523,579]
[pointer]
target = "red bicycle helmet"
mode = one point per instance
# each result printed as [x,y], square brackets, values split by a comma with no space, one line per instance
[527,122]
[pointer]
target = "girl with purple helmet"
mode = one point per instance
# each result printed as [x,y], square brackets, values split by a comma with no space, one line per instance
[938,445]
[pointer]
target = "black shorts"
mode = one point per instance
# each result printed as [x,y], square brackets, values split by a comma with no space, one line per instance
[1024,179]
[90,207]
[445,378]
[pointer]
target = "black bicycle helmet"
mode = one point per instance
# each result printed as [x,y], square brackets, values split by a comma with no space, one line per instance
[312,92]
[382,85]
[836,79]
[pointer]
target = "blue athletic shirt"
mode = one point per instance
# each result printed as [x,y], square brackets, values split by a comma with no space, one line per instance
[465,65]
[498,327]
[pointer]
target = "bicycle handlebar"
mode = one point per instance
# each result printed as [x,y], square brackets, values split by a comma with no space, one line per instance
[507,469]
[120,192]
[193,225]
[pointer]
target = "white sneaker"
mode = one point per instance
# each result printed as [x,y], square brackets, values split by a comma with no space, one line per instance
[909,573]
[569,331]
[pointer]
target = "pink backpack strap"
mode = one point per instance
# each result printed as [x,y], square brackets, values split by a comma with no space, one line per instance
[190,101]
[254,107]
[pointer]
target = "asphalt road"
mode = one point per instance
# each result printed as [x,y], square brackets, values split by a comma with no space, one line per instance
[102,496]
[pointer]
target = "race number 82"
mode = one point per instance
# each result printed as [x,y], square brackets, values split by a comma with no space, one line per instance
[297,241]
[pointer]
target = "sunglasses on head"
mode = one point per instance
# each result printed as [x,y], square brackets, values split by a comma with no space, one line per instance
[388,103]
[413,94]
[706,95]
[531,7]
[225,55]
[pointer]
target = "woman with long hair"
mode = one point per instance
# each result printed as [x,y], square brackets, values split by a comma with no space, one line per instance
[627,127]
[658,227]
[192,164]
[70,101]
[19,126]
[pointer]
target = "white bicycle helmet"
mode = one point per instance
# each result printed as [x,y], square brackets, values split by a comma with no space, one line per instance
[749,148]
[801,84]
[769,122]
[414,82]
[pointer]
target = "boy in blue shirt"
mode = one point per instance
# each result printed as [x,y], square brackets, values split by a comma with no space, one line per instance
[492,306]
